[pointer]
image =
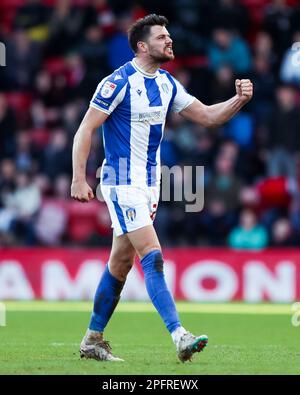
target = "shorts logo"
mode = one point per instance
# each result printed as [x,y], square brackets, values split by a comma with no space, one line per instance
[131,214]
[108,89]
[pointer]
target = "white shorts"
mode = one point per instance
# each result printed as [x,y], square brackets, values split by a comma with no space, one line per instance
[130,207]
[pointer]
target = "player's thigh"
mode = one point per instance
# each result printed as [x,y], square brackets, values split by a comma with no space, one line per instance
[122,256]
[144,240]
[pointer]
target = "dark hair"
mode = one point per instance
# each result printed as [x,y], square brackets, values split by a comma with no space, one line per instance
[141,28]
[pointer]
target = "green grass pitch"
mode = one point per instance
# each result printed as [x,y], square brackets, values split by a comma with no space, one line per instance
[43,338]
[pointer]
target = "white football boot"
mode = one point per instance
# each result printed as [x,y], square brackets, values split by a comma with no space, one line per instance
[94,346]
[187,344]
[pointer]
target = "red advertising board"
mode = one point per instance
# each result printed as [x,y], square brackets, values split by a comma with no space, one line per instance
[194,274]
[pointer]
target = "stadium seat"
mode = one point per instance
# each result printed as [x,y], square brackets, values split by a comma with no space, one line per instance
[55,65]
[40,137]
[83,220]
[8,9]
[19,101]
[274,192]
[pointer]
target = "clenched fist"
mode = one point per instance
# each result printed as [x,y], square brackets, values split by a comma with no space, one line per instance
[244,89]
[81,191]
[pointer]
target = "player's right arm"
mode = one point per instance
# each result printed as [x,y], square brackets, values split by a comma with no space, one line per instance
[93,119]
[108,95]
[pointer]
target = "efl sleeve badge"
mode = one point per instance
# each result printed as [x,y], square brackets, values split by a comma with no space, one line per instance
[107,89]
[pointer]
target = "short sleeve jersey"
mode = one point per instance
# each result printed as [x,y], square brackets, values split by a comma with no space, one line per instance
[137,104]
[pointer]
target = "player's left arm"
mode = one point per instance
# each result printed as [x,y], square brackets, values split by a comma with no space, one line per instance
[217,114]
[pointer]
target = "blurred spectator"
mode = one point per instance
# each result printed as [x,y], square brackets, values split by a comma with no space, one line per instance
[277,21]
[24,203]
[52,220]
[105,16]
[229,49]
[75,72]
[169,150]
[240,129]
[119,51]
[249,235]
[263,48]
[283,134]
[7,128]
[66,23]
[7,187]
[57,157]
[21,65]
[290,66]
[58,51]
[33,17]
[25,156]
[71,117]
[223,85]
[283,234]
[221,199]
[7,179]
[231,14]
[264,84]
[93,50]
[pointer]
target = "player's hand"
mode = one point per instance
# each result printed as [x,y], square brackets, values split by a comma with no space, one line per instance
[81,191]
[244,90]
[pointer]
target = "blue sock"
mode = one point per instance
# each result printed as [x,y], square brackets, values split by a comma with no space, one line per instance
[106,299]
[160,296]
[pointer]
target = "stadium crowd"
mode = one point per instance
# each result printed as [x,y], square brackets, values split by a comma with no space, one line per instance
[56,54]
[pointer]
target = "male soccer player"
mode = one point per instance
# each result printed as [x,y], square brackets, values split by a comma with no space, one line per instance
[132,104]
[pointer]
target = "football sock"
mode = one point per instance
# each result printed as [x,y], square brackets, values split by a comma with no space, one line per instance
[106,299]
[158,292]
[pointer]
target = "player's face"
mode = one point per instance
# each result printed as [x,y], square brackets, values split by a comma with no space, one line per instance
[159,44]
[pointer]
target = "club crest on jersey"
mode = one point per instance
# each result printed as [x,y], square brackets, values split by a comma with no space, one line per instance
[165,87]
[108,89]
[131,214]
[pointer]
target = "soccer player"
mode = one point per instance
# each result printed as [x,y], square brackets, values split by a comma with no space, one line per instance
[132,104]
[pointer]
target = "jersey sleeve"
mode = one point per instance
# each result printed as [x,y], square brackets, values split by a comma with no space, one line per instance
[109,94]
[182,98]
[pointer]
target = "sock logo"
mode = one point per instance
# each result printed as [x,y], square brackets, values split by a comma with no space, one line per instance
[131,214]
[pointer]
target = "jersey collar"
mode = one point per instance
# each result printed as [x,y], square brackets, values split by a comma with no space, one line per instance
[140,70]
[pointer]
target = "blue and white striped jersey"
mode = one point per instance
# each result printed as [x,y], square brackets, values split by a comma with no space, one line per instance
[138,104]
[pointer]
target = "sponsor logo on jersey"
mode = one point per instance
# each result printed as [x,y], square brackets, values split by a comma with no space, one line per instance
[152,116]
[108,89]
[131,214]
[117,77]
[101,102]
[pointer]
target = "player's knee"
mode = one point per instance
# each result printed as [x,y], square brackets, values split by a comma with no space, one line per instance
[149,248]
[120,266]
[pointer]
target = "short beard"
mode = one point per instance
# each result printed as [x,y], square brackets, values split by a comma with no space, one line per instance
[161,58]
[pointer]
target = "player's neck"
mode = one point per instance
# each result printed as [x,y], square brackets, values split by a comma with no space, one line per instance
[146,66]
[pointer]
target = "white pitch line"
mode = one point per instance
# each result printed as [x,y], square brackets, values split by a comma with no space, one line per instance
[140,307]
[63,344]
